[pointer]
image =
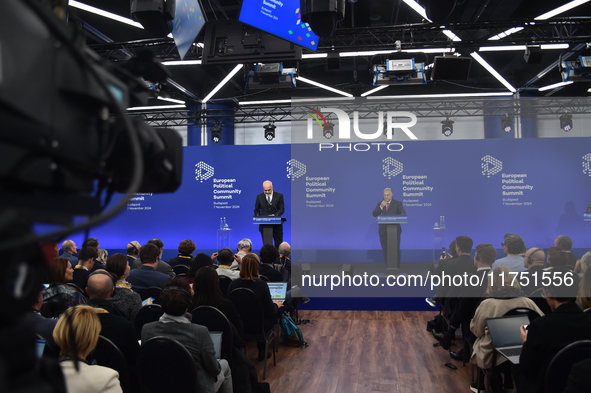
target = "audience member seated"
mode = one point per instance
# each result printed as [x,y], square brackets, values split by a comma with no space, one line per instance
[533,261]
[114,326]
[69,251]
[161,265]
[284,254]
[212,375]
[185,248]
[58,295]
[249,278]
[86,259]
[244,247]
[269,256]
[504,294]
[133,251]
[558,264]
[93,242]
[584,293]
[437,269]
[514,248]
[544,337]
[78,330]
[206,292]
[197,263]
[468,301]
[126,300]
[41,325]
[566,244]
[225,259]
[146,275]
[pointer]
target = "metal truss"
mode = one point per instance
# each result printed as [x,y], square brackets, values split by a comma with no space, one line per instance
[415,36]
[369,109]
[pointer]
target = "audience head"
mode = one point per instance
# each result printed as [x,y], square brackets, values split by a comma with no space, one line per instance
[118,266]
[245,244]
[61,270]
[100,285]
[198,262]
[501,283]
[513,244]
[149,253]
[69,246]
[534,257]
[157,242]
[557,257]
[268,253]
[250,267]
[585,290]
[284,249]
[87,253]
[225,257]
[585,262]
[464,243]
[206,287]
[559,292]
[77,331]
[91,242]
[133,248]
[563,242]
[186,247]
[176,297]
[102,255]
[485,254]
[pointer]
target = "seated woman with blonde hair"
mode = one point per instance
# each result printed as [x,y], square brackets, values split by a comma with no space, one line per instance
[77,333]
[504,294]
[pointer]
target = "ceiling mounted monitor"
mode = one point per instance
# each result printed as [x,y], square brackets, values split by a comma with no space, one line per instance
[282,18]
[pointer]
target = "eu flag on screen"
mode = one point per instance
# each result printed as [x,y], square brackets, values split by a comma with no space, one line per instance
[281,18]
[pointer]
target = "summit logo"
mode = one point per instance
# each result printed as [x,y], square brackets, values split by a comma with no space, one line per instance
[203,171]
[490,166]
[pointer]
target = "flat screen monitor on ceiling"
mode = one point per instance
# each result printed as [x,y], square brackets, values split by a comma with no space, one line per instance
[281,18]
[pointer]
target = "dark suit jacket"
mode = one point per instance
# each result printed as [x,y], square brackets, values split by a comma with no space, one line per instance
[546,336]
[395,209]
[146,276]
[272,274]
[263,208]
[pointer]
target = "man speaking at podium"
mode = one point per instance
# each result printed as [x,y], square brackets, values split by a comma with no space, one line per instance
[270,203]
[388,207]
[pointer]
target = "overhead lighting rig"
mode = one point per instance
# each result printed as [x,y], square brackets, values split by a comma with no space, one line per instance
[566,122]
[216,133]
[399,71]
[507,123]
[269,131]
[577,70]
[447,127]
[272,75]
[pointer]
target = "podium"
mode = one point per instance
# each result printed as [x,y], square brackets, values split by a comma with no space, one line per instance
[393,230]
[266,223]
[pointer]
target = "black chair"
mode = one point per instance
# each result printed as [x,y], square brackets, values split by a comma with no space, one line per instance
[538,299]
[215,321]
[180,270]
[561,364]
[587,310]
[107,354]
[224,284]
[530,312]
[167,366]
[153,292]
[264,278]
[250,310]
[146,314]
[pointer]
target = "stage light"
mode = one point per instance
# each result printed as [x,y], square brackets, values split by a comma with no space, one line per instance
[447,127]
[216,133]
[270,131]
[507,123]
[566,122]
[328,130]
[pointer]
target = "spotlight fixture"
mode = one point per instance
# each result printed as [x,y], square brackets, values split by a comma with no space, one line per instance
[447,127]
[507,123]
[216,133]
[328,130]
[270,131]
[566,122]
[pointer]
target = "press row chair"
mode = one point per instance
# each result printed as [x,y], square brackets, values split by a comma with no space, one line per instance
[250,310]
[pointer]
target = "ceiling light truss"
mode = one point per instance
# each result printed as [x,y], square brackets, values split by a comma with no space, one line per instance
[422,109]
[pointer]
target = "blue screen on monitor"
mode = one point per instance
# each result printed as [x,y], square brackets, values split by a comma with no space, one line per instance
[281,18]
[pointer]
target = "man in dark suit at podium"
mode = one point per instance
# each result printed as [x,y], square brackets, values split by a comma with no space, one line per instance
[270,203]
[388,207]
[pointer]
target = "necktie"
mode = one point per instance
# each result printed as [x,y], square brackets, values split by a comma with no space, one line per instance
[387,206]
[269,199]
